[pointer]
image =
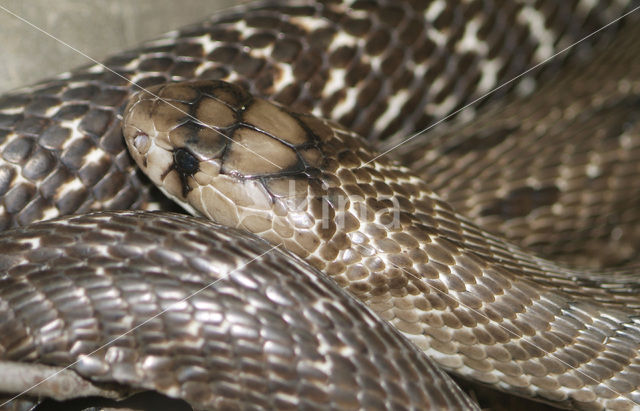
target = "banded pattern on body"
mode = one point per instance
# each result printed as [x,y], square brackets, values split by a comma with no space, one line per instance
[555,171]
[460,294]
[62,148]
[217,318]
[383,69]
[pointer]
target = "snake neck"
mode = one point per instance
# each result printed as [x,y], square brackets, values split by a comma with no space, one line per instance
[317,189]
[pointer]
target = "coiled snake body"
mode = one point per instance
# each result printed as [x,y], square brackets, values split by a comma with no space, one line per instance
[464,296]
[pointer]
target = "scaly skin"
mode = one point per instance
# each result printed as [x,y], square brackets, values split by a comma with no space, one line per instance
[458,293]
[216,317]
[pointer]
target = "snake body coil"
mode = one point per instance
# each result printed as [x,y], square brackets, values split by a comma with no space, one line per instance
[62,144]
[460,294]
[469,299]
[217,318]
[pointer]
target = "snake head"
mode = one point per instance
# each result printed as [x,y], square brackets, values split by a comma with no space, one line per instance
[222,153]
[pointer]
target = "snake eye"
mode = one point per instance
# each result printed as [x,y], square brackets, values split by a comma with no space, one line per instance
[141,143]
[185,162]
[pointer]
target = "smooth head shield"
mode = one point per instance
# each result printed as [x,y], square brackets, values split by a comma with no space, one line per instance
[222,153]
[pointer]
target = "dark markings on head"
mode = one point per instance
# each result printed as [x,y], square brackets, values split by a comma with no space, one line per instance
[186,165]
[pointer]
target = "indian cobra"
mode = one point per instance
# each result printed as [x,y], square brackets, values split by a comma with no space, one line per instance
[270,330]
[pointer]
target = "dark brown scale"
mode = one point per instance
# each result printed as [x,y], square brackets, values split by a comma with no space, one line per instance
[185,69]
[73,200]
[482,141]
[157,64]
[377,42]
[91,173]
[260,40]
[391,15]
[522,201]
[152,81]
[32,126]
[79,93]
[39,165]
[249,66]
[32,211]
[18,151]
[412,32]
[392,61]
[189,50]
[18,197]
[320,39]
[403,79]
[306,66]
[216,73]
[445,19]
[342,56]
[96,122]
[39,106]
[55,87]
[224,55]
[72,156]
[423,50]
[109,97]
[7,174]
[357,27]
[365,5]
[107,189]
[286,50]
[126,176]
[53,182]
[332,101]
[263,21]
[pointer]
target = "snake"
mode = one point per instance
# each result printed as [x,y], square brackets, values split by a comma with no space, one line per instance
[255,152]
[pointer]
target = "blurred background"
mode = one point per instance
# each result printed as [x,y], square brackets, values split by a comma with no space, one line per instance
[98,28]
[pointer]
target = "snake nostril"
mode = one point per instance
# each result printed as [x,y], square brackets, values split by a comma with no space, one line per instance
[185,162]
[141,143]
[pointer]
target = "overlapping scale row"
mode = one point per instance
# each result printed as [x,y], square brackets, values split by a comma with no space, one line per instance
[380,67]
[203,313]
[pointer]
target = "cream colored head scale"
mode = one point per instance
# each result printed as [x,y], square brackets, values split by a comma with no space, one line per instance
[222,153]
[460,294]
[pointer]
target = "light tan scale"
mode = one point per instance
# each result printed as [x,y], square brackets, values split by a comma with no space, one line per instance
[459,293]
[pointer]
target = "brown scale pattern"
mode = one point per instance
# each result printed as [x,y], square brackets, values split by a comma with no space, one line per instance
[462,295]
[502,169]
[272,332]
[101,95]
[60,143]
